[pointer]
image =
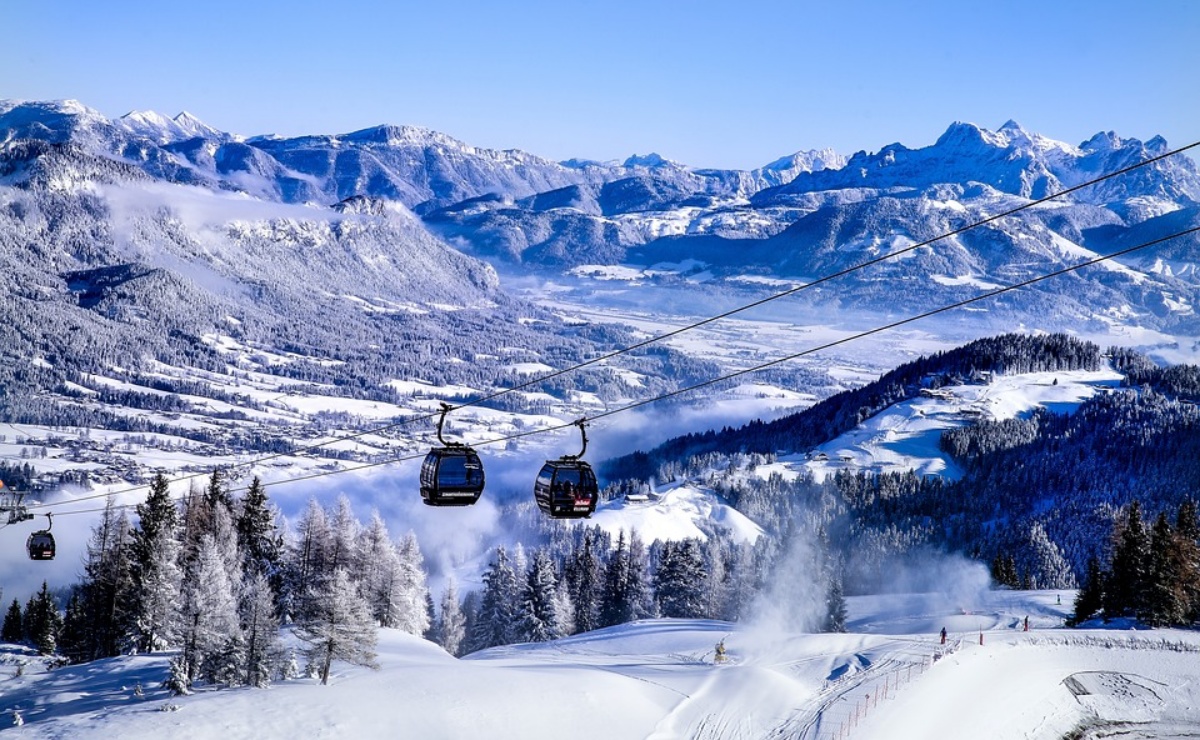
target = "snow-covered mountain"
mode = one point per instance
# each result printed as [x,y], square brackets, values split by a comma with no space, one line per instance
[797,218]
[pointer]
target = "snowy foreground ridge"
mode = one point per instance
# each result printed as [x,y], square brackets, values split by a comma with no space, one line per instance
[889,677]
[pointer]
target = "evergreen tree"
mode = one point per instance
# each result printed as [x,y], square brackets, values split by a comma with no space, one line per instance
[538,618]
[106,589]
[1124,594]
[157,578]
[410,595]
[339,626]
[157,514]
[217,494]
[743,580]
[1165,595]
[44,621]
[260,628]
[13,629]
[617,607]
[1187,534]
[211,626]
[835,606]
[680,578]
[470,610]
[564,607]
[495,623]
[1090,598]
[73,640]
[343,540]
[306,559]
[641,593]
[377,571]
[585,577]
[257,535]
[717,587]
[452,622]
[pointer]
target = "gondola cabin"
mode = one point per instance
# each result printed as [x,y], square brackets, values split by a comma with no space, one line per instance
[40,545]
[566,489]
[451,476]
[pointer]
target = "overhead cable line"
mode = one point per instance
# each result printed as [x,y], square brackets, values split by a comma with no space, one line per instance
[674,332]
[729,376]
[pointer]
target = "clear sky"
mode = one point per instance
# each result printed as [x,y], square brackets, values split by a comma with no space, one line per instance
[711,84]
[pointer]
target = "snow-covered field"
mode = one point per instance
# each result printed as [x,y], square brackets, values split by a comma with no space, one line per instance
[888,678]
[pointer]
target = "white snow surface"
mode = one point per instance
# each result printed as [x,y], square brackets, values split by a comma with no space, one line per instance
[652,680]
[905,436]
[675,513]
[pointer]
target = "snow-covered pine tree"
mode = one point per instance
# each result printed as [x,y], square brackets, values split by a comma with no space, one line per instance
[44,622]
[410,592]
[211,628]
[585,578]
[537,616]
[73,640]
[495,623]
[157,577]
[564,607]
[641,593]
[260,629]
[1045,564]
[718,586]
[157,588]
[305,562]
[835,605]
[680,578]
[470,610]
[258,537]
[743,583]
[339,626]
[451,624]
[343,540]
[615,606]
[216,493]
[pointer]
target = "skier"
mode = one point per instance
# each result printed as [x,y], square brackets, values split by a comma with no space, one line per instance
[943,635]
[1026,624]
[720,652]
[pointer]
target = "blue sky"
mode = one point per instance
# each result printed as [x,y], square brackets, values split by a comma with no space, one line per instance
[710,84]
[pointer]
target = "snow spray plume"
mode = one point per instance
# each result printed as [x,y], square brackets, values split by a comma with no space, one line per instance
[925,580]
[793,600]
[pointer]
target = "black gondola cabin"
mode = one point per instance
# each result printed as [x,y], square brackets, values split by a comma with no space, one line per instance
[566,489]
[40,545]
[451,476]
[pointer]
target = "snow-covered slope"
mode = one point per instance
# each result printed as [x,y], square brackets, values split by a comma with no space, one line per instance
[906,436]
[676,512]
[887,678]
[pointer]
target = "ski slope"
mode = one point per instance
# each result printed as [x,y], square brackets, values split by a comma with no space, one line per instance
[889,677]
[906,435]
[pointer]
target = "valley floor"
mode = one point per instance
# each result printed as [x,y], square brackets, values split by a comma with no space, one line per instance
[890,677]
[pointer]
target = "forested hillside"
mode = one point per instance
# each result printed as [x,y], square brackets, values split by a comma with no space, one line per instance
[1039,493]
